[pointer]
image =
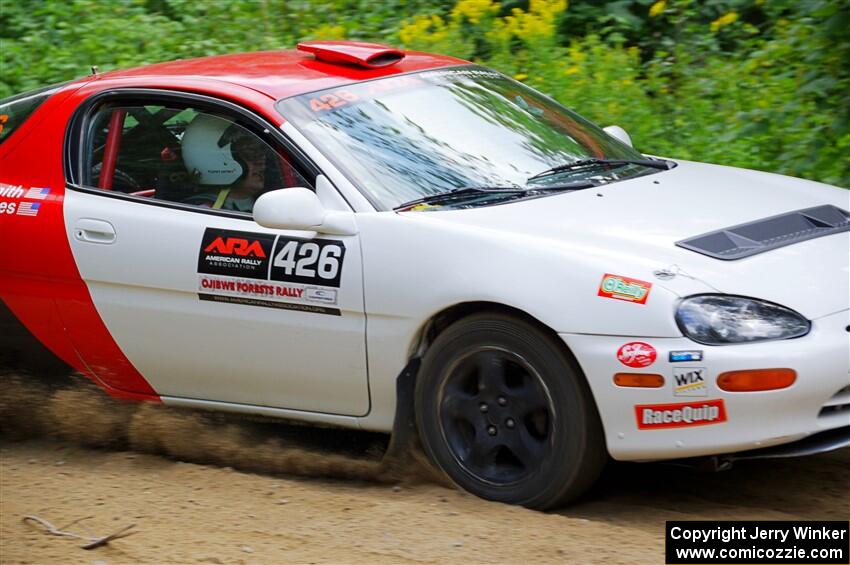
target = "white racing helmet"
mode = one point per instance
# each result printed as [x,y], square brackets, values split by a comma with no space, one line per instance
[207,151]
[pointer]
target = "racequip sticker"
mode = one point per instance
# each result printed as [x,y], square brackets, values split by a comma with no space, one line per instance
[257,269]
[624,288]
[685,356]
[689,381]
[636,354]
[680,415]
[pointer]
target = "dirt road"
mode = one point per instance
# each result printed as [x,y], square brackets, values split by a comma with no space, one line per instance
[208,513]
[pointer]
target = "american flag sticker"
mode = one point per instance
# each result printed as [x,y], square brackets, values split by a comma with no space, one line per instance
[29,208]
[37,193]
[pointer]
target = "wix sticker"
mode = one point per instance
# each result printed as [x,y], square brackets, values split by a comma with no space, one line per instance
[689,381]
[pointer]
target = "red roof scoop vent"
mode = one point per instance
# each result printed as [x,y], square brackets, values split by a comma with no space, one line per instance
[369,55]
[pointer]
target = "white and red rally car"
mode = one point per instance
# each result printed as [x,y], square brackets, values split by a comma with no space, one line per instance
[449,243]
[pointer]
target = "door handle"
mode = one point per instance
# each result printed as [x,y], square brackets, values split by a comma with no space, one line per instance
[94,231]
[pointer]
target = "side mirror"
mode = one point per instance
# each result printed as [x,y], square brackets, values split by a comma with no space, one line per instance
[619,133]
[299,208]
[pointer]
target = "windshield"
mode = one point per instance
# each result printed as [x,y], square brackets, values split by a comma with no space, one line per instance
[412,136]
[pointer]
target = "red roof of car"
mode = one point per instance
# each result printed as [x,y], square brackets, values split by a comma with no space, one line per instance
[280,74]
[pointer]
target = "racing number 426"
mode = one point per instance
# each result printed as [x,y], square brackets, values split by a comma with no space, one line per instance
[311,262]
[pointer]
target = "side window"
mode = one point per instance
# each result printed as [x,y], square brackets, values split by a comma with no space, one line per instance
[16,110]
[183,154]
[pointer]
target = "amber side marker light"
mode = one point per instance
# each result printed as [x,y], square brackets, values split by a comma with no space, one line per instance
[755,380]
[639,380]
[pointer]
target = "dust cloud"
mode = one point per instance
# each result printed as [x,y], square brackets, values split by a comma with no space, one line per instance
[77,411]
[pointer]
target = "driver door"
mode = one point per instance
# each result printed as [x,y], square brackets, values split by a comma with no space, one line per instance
[205,303]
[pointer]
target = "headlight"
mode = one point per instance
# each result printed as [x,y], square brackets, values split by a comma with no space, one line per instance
[715,319]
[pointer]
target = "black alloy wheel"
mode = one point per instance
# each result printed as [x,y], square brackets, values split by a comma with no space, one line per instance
[504,411]
[495,415]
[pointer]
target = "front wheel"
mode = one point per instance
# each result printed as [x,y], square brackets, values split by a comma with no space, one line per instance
[506,413]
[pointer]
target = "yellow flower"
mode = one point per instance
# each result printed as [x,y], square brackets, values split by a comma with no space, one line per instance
[429,29]
[329,32]
[536,23]
[657,8]
[474,10]
[724,20]
[572,70]
[520,76]
[574,53]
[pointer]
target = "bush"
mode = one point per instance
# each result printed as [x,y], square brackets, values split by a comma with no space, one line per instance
[723,91]
[740,82]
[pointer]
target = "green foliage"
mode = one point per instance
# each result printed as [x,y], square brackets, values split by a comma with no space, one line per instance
[44,41]
[752,83]
[734,82]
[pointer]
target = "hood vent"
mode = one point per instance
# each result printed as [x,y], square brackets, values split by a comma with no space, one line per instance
[763,235]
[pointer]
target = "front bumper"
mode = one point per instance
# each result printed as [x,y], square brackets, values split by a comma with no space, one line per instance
[719,422]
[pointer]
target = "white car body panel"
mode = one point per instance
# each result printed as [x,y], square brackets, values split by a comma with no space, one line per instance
[545,257]
[755,419]
[145,286]
[631,229]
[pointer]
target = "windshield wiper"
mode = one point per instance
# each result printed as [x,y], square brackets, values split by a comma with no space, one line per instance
[477,190]
[584,163]
[459,192]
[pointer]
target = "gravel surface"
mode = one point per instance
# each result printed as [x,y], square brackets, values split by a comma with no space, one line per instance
[205,489]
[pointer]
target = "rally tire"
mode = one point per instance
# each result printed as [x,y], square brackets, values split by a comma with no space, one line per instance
[506,413]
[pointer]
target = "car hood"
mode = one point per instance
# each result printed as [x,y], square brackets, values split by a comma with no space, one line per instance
[631,228]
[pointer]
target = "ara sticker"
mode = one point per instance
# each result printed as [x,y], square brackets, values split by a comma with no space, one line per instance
[624,288]
[257,269]
[685,356]
[689,381]
[680,414]
[636,354]
[235,253]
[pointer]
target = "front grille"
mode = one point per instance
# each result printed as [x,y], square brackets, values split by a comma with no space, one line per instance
[838,405]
